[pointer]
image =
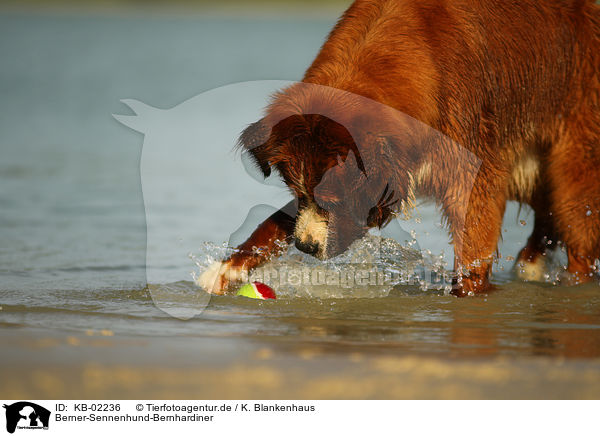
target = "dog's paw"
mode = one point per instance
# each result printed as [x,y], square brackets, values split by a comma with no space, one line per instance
[531,270]
[220,275]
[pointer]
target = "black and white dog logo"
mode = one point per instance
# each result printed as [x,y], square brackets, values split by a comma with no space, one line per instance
[26,415]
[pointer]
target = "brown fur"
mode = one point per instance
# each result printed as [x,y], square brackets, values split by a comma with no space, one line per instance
[516,83]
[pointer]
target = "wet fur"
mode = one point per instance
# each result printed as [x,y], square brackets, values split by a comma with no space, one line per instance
[515,83]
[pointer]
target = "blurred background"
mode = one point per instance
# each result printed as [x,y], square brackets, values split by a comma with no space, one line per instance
[69,173]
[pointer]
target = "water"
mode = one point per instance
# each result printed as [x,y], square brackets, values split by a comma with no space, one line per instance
[73,224]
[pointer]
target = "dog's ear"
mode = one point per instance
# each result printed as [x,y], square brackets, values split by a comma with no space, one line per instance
[253,141]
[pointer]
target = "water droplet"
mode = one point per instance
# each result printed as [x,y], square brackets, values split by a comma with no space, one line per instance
[588,213]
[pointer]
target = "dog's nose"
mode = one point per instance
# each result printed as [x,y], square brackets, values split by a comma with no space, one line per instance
[308,246]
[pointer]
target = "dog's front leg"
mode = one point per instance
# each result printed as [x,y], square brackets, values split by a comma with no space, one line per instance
[475,224]
[260,247]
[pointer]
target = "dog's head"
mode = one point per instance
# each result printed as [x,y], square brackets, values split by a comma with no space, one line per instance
[347,172]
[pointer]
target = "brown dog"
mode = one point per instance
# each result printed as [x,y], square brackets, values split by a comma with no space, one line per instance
[398,93]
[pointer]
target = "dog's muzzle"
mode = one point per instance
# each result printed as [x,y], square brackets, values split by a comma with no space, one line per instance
[311,232]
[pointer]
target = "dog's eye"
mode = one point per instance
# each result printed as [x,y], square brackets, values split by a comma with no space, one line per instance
[379,216]
[374,217]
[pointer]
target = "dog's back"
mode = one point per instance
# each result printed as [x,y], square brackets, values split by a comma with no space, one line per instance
[448,63]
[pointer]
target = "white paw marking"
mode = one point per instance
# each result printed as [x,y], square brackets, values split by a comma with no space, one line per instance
[218,275]
[531,271]
[208,279]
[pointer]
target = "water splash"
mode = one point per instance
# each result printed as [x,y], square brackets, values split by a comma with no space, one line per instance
[370,268]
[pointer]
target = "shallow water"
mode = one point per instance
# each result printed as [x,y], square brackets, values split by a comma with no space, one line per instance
[516,320]
[72,223]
